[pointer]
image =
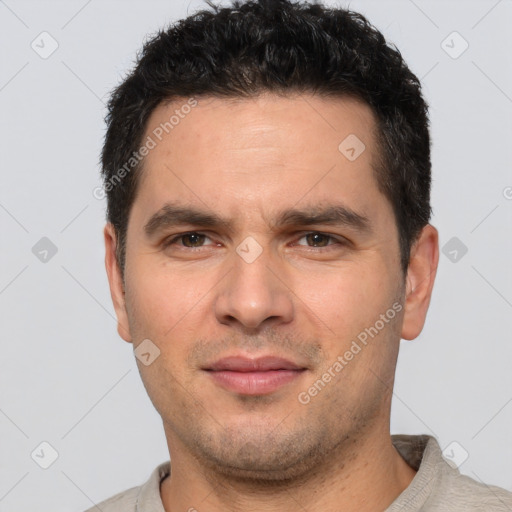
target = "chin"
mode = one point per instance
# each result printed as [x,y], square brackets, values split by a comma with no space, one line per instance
[264,458]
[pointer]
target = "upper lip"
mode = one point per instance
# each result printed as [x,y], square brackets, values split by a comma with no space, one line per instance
[246,364]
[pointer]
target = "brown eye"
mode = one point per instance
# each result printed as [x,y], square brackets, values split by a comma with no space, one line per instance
[192,239]
[318,239]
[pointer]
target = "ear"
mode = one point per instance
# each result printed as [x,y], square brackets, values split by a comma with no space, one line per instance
[420,281]
[115,281]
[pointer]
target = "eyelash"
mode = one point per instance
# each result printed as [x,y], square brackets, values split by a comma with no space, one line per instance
[337,242]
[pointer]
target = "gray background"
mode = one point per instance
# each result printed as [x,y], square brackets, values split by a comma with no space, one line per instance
[68,379]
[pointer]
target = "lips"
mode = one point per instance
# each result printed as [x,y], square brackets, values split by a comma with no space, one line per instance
[243,364]
[259,376]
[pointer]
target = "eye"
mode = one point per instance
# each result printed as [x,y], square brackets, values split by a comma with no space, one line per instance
[190,240]
[196,240]
[316,239]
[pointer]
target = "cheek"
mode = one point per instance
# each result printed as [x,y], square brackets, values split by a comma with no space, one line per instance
[346,299]
[161,303]
[166,310]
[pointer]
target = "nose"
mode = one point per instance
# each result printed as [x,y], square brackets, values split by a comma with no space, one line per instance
[254,294]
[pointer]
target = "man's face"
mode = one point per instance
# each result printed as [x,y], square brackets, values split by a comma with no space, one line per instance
[269,281]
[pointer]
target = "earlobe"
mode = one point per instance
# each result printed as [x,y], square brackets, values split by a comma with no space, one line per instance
[420,281]
[115,281]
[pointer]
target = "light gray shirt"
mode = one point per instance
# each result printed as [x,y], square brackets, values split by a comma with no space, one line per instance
[436,487]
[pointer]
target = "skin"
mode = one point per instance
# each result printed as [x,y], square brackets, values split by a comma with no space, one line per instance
[247,160]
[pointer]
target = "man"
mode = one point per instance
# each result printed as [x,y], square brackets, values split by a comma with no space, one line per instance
[267,169]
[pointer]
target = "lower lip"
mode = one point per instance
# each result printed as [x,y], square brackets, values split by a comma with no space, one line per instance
[254,383]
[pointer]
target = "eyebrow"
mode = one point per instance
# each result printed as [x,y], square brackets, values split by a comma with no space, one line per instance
[332,215]
[173,215]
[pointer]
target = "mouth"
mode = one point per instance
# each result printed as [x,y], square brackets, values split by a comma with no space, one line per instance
[259,376]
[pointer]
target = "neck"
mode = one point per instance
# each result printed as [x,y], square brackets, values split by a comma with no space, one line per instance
[366,476]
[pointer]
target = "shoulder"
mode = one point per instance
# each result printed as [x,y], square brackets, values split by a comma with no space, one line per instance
[439,486]
[455,489]
[143,497]
[125,501]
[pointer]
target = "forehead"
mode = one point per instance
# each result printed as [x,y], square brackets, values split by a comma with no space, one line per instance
[267,120]
[222,153]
